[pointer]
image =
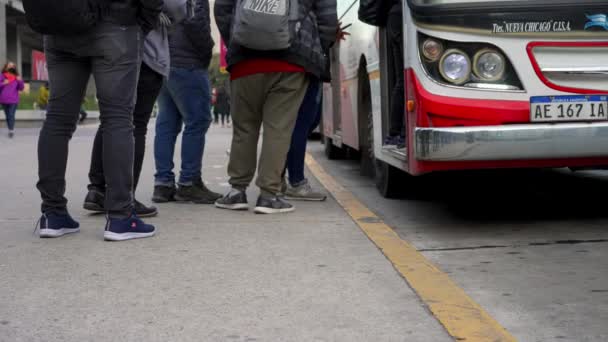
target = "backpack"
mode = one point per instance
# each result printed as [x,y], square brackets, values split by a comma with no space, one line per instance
[64,17]
[265,25]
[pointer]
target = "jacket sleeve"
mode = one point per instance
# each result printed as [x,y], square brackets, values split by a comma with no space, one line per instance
[327,18]
[224,15]
[148,13]
[198,28]
[20,85]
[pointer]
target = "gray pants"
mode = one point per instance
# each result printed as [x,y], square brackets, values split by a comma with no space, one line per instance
[271,99]
[113,55]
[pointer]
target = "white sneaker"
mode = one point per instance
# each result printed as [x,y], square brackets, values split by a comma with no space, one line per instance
[304,192]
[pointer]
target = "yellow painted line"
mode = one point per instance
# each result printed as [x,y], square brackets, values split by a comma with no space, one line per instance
[462,317]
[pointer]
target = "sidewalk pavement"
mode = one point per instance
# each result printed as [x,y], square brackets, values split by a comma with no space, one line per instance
[209,274]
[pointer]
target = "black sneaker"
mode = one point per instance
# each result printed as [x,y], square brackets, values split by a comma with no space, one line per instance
[272,205]
[163,194]
[56,225]
[234,200]
[144,211]
[127,229]
[95,201]
[197,193]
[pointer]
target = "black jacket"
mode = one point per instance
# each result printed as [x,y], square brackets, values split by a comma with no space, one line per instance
[317,33]
[190,42]
[133,12]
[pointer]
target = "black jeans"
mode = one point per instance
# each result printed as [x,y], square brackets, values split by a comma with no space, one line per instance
[395,35]
[113,55]
[148,88]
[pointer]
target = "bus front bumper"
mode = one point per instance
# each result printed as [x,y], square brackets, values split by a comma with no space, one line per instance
[512,142]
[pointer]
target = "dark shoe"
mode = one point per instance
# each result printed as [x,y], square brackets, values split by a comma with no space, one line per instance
[144,211]
[56,225]
[11,134]
[127,229]
[163,194]
[272,205]
[234,200]
[95,201]
[197,193]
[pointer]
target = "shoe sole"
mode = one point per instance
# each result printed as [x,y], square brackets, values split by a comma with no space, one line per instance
[265,210]
[308,199]
[188,200]
[54,233]
[94,207]
[162,200]
[238,206]
[110,236]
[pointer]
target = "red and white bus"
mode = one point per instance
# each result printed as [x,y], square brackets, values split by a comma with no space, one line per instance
[541,102]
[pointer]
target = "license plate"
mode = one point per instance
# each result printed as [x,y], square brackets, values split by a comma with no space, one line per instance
[569,108]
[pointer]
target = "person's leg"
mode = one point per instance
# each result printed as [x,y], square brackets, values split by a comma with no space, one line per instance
[168,127]
[148,88]
[307,115]
[111,68]
[190,90]
[97,180]
[395,28]
[11,111]
[280,114]
[69,75]
[247,103]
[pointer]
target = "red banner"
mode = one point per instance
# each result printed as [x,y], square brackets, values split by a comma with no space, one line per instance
[39,69]
[223,53]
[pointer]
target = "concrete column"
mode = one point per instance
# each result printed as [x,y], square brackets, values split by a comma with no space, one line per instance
[18,50]
[2,32]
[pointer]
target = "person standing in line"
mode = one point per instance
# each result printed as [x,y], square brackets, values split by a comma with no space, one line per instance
[111,51]
[298,187]
[309,116]
[10,86]
[267,88]
[154,67]
[185,99]
[394,27]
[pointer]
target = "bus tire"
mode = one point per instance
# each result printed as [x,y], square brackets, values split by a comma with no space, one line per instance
[332,152]
[389,180]
[366,123]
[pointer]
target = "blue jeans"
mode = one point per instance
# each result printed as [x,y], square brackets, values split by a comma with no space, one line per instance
[9,111]
[185,99]
[309,117]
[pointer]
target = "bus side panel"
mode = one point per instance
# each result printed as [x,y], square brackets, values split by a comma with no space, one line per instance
[328,111]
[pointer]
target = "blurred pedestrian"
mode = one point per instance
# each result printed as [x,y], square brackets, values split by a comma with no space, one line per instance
[109,48]
[43,96]
[185,100]
[222,105]
[268,84]
[10,86]
[154,67]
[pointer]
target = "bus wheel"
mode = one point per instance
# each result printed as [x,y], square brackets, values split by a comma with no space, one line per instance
[332,152]
[389,180]
[366,124]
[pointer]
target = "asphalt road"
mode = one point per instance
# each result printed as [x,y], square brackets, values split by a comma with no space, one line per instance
[530,246]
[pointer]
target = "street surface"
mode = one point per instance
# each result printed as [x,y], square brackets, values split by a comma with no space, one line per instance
[530,247]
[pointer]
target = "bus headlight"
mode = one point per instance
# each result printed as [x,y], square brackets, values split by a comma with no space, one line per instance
[489,65]
[455,66]
[432,50]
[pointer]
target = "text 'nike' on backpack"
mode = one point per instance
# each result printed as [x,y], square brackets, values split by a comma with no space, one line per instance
[265,24]
[64,17]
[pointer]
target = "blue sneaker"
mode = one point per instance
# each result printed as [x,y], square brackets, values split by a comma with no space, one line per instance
[56,225]
[127,229]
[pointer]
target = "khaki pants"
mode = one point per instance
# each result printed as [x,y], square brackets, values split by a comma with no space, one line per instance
[271,99]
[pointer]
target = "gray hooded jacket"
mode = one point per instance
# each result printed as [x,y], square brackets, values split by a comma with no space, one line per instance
[156,46]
